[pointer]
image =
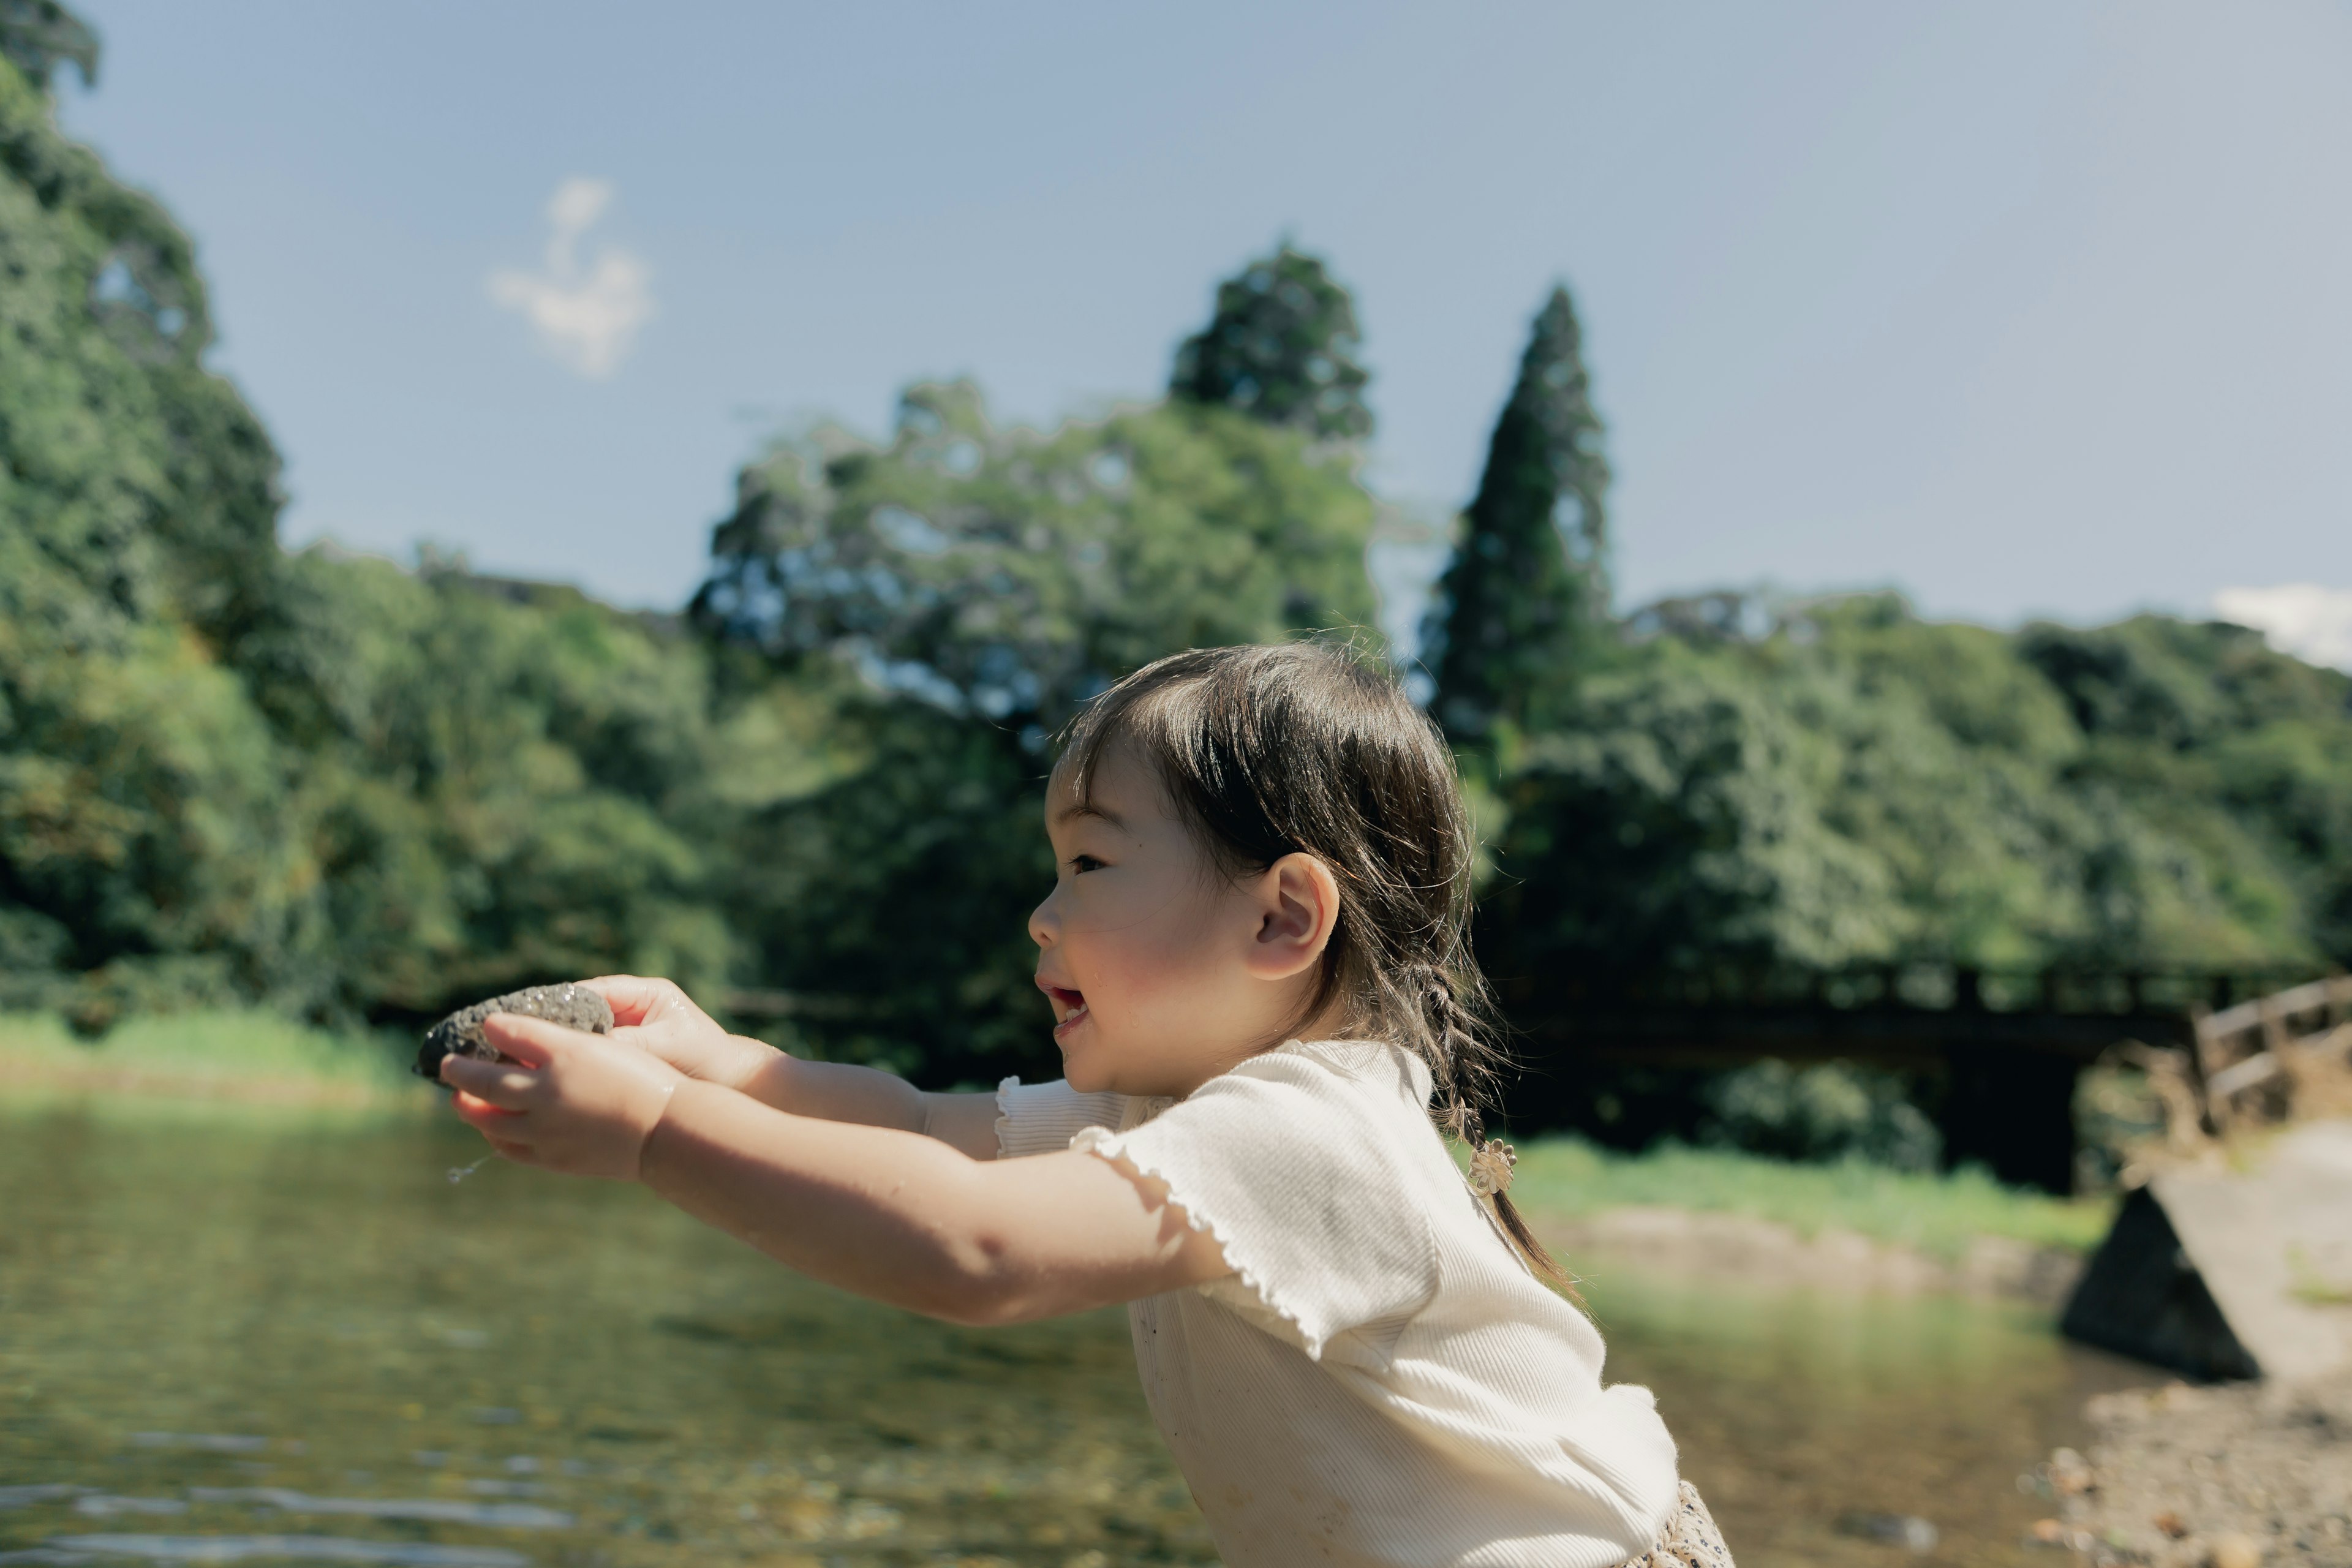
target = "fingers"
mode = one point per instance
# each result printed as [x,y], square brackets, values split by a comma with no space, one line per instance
[499,1084]
[534,1042]
[638,998]
[566,1101]
[488,1120]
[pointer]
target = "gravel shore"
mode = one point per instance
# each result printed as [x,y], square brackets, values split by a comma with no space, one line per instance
[2231,1476]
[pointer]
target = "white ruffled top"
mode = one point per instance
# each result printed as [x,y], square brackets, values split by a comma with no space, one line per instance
[1382,1381]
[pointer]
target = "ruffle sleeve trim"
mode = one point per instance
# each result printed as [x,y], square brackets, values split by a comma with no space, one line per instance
[1004,1111]
[1112,1146]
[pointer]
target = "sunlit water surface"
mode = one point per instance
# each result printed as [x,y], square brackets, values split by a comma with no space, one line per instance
[227,1338]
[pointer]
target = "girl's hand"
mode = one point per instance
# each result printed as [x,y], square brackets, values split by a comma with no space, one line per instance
[656,1017]
[580,1103]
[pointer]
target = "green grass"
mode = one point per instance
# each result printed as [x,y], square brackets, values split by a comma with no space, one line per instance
[249,1058]
[1938,1215]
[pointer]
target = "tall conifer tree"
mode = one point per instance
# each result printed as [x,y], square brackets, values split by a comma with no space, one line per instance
[1527,590]
[1281,347]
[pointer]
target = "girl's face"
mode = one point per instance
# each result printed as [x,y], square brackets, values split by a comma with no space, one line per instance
[1162,971]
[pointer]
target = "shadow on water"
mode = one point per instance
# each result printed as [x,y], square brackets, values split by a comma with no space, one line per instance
[251,1340]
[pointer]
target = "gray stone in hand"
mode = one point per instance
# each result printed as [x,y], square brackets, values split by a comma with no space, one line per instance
[574,1007]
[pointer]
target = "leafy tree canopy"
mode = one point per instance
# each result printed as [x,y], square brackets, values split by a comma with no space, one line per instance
[1851,785]
[1009,575]
[140,797]
[1280,348]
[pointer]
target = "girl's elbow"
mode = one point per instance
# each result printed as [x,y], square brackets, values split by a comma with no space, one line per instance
[975,1287]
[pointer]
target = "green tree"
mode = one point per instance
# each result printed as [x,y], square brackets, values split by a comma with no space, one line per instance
[1675,823]
[2240,754]
[503,784]
[1281,347]
[230,775]
[1526,595]
[1841,784]
[140,795]
[1006,575]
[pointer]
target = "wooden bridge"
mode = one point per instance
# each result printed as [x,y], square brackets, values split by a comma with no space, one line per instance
[2006,1047]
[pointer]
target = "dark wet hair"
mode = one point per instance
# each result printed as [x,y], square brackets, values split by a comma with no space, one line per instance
[1270,750]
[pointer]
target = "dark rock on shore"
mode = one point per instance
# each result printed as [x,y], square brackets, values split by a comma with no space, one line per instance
[460,1034]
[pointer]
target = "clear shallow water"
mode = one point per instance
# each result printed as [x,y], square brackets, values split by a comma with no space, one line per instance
[235,1338]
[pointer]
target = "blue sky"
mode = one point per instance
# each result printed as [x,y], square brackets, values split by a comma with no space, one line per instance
[2022,307]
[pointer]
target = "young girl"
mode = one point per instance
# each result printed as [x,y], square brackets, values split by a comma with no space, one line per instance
[1255,953]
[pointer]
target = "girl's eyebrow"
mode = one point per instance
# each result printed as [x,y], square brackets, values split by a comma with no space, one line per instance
[1086,808]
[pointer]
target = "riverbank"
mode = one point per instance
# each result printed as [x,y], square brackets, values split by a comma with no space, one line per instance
[1843,1227]
[208,1061]
[2230,1476]
[1696,1244]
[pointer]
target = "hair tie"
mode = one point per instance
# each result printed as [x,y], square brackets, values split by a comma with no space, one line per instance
[1490,1168]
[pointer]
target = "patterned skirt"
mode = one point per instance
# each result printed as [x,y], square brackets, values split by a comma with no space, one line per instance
[1689,1541]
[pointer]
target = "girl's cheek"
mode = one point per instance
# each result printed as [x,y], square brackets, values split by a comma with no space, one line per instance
[1156,957]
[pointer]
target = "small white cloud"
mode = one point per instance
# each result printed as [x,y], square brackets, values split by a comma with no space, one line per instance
[2302,618]
[586,315]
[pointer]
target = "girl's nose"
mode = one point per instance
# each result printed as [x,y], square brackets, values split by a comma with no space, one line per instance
[1044,925]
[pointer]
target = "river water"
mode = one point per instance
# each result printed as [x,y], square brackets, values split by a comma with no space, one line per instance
[225,1336]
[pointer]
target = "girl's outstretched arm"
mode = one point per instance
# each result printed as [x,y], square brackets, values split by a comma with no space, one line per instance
[657,1016]
[881,1211]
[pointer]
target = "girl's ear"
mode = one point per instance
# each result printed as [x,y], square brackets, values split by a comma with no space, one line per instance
[1298,908]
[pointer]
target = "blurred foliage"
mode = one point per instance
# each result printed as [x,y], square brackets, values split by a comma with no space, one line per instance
[502,784]
[1281,348]
[1830,1110]
[228,774]
[1841,784]
[1526,599]
[1007,575]
[233,776]
[140,796]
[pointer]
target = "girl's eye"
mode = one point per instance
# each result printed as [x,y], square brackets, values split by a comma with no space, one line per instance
[1082,864]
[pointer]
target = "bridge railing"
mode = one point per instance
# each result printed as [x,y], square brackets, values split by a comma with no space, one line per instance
[2252,1059]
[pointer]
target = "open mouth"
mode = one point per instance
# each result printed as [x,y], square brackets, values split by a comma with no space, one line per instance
[1069,1007]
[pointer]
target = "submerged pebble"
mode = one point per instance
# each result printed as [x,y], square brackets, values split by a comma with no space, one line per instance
[1894,1529]
[460,1034]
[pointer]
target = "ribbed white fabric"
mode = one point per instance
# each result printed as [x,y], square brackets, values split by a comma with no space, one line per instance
[1383,1381]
